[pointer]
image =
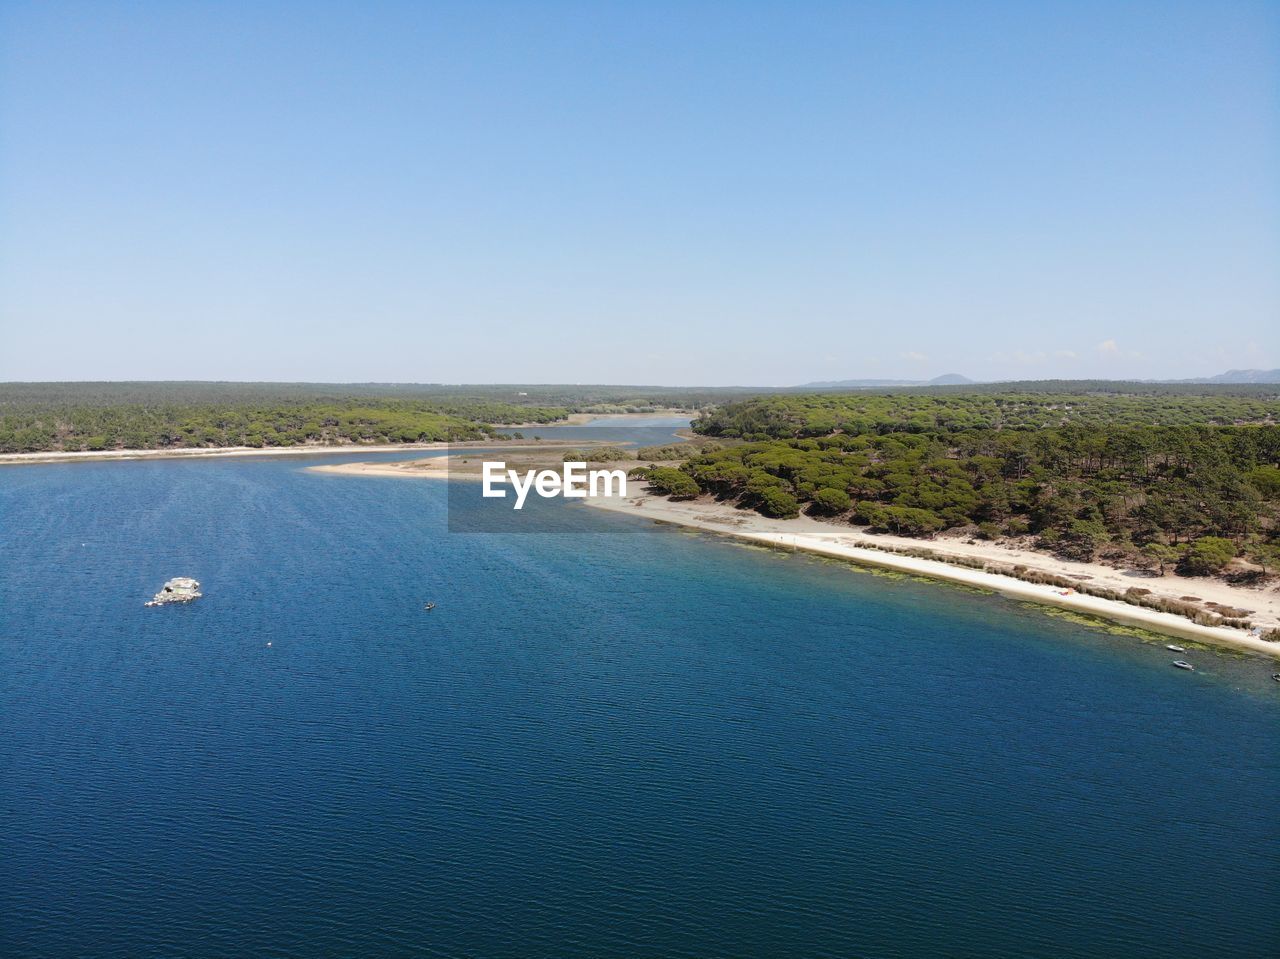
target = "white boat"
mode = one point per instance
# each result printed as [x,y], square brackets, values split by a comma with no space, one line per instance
[180,589]
[1183,664]
[1176,649]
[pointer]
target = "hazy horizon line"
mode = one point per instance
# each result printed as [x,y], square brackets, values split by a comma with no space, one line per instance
[886,381]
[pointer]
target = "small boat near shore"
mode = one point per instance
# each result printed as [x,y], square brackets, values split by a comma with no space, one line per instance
[1176,649]
[1183,664]
[429,606]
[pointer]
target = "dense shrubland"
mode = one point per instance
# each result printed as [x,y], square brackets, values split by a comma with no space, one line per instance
[676,451]
[598,454]
[790,416]
[1165,480]
[180,416]
[37,417]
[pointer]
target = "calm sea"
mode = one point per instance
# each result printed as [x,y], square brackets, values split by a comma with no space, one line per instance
[642,743]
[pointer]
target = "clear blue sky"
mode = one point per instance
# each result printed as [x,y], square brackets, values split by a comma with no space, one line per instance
[681,193]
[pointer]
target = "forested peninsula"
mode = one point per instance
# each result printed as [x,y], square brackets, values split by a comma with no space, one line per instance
[180,415]
[97,417]
[1163,477]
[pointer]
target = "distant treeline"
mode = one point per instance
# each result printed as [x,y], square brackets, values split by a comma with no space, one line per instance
[783,416]
[181,416]
[576,398]
[1064,387]
[38,417]
[1083,473]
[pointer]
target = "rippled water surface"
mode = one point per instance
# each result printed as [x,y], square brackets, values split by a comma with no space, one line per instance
[642,743]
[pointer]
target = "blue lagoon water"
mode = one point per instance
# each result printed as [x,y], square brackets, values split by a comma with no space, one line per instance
[638,743]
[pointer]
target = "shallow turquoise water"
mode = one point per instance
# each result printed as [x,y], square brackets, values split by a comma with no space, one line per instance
[639,743]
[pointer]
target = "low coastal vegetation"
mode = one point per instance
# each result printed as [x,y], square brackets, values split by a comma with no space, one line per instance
[1180,478]
[676,451]
[598,454]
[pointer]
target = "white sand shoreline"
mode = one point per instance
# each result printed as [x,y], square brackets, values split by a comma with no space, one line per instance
[219,452]
[92,456]
[438,467]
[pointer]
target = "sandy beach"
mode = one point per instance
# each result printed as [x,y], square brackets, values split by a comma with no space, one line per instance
[21,459]
[91,456]
[542,455]
[437,467]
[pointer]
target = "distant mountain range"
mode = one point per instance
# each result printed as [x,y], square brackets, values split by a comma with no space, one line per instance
[1237,376]
[955,379]
[946,379]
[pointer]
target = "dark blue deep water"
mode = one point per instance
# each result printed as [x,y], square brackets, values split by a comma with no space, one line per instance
[640,743]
